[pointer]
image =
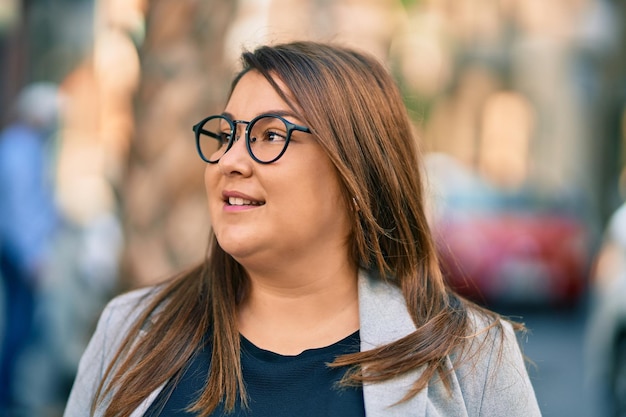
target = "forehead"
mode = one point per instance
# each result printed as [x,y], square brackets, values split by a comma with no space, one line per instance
[254,95]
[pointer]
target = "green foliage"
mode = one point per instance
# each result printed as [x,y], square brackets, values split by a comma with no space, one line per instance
[409,3]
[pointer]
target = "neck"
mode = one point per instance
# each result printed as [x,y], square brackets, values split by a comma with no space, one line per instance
[290,312]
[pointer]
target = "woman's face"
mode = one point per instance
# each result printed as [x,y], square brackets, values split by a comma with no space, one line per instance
[290,210]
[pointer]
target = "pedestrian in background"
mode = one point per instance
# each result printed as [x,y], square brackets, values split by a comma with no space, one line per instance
[321,294]
[28,220]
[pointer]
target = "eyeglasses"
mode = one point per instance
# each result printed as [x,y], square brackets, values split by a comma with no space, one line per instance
[267,137]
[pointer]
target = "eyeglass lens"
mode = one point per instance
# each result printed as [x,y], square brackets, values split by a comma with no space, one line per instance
[267,137]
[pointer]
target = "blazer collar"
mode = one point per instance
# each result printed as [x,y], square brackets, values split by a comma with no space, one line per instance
[384,318]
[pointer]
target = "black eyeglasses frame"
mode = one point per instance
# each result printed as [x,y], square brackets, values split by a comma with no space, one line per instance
[197,128]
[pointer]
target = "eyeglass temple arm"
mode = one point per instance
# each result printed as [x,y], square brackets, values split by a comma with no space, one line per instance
[208,133]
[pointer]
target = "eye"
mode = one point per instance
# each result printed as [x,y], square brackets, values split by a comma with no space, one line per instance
[268,129]
[268,136]
[274,136]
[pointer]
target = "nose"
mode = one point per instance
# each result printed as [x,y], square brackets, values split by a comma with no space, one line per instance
[236,161]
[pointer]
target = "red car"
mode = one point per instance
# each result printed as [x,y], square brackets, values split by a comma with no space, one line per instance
[502,246]
[515,256]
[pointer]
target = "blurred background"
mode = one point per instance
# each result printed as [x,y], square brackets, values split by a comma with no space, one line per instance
[520,107]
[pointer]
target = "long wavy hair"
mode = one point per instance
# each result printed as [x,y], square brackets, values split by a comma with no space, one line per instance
[356,112]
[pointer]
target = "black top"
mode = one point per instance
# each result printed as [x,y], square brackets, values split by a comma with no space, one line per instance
[301,385]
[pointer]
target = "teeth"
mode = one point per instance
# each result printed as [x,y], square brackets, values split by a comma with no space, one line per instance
[236,201]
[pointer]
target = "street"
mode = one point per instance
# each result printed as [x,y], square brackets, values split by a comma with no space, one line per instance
[555,343]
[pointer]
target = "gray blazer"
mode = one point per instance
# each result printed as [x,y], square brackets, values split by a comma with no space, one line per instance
[492,382]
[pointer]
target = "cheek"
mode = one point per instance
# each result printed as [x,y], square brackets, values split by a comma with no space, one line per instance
[329,203]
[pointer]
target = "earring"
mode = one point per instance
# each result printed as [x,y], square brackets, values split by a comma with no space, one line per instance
[356,204]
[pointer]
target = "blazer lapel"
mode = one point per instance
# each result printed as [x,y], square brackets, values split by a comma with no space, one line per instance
[384,318]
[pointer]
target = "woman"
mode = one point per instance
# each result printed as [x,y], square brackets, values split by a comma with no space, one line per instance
[321,294]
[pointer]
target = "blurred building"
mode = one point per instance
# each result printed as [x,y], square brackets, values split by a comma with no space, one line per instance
[524,92]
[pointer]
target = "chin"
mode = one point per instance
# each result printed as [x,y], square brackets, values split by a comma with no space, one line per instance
[238,248]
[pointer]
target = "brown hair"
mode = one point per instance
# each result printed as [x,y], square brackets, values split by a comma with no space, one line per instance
[356,112]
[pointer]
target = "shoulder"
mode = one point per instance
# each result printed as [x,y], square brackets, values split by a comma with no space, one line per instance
[129,301]
[123,311]
[116,319]
[487,372]
[491,370]
[120,314]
